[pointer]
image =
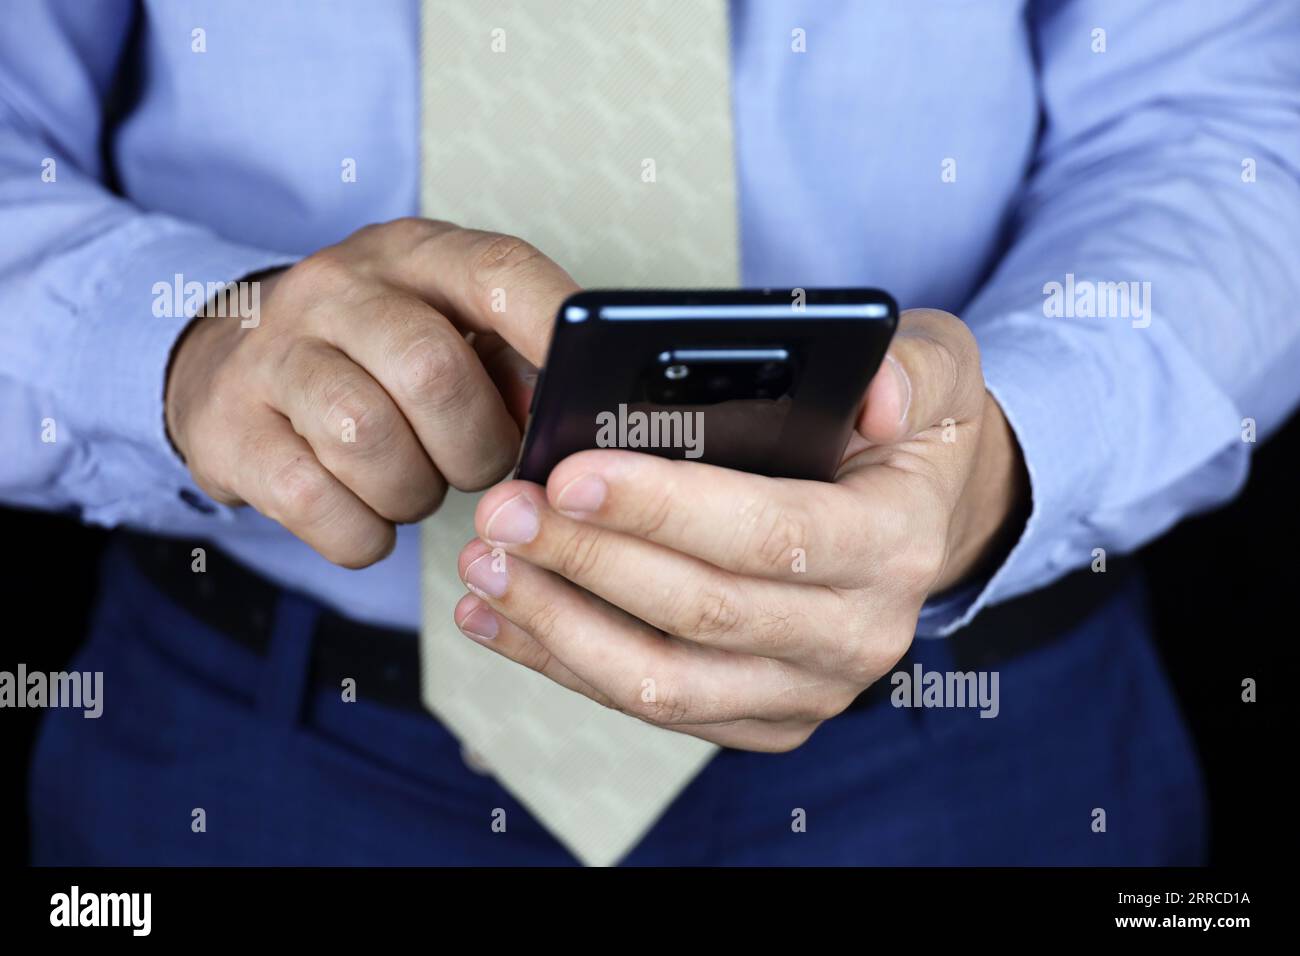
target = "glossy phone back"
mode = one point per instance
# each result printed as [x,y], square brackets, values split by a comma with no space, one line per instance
[763,380]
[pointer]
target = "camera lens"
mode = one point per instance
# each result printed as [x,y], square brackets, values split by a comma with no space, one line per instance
[676,372]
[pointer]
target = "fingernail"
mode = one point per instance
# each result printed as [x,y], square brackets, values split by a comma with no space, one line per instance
[582,495]
[904,387]
[480,623]
[486,576]
[514,522]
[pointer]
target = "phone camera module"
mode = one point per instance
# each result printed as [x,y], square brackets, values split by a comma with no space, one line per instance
[717,374]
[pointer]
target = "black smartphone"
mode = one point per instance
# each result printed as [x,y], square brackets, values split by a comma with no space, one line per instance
[761,380]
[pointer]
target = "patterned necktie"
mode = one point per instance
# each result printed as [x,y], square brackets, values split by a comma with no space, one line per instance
[601,133]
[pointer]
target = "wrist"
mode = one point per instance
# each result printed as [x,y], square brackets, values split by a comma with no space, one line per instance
[993,506]
[200,348]
[183,369]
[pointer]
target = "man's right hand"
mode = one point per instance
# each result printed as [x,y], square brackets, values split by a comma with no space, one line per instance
[357,399]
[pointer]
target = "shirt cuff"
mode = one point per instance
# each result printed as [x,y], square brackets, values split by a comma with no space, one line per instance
[942,615]
[1060,392]
[130,309]
[1056,445]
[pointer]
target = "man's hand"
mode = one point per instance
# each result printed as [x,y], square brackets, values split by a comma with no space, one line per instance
[742,609]
[357,398]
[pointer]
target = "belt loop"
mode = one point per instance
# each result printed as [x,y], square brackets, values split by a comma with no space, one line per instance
[285,677]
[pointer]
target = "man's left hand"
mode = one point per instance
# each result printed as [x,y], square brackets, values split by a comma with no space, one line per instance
[743,609]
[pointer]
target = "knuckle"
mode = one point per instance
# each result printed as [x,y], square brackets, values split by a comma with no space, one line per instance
[775,532]
[895,643]
[825,702]
[653,513]
[365,412]
[834,705]
[409,230]
[322,273]
[942,363]
[366,234]
[664,707]
[349,400]
[540,620]
[866,665]
[962,341]
[499,258]
[299,492]
[578,555]
[928,562]
[953,356]
[774,629]
[714,612]
[785,739]
[605,701]
[409,503]
[870,660]
[535,657]
[214,483]
[426,499]
[368,550]
[859,541]
[390,239]
[934,324]
[807,708]
[491,465]
[918,562]
[432,374]
[874,539]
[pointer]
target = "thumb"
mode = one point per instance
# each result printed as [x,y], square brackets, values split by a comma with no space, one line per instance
[514,376]
[930,373]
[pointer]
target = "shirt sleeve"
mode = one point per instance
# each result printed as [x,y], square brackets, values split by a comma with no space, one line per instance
[88,328]
[1140,333]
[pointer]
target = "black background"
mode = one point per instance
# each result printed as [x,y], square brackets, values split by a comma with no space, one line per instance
[1223,590]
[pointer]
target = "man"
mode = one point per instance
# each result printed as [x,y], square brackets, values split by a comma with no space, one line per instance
[990,160]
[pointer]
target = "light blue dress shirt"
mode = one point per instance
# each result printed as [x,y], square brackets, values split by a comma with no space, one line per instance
[963,154]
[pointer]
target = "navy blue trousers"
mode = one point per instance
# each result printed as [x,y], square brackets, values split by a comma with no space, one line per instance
[288,773]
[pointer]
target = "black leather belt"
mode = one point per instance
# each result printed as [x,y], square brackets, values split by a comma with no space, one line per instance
[240,604]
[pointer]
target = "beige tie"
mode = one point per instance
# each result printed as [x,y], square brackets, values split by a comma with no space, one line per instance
[600,132]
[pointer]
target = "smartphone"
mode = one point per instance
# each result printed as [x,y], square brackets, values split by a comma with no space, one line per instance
[761,380]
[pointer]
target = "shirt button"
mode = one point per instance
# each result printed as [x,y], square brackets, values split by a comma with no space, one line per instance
[474,760]
[192,499]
